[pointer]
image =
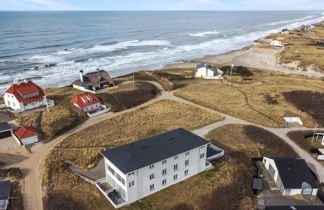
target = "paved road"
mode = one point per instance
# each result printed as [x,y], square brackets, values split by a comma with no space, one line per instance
[32,167]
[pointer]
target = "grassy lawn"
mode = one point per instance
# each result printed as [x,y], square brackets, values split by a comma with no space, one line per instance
[262,99]
[303,50]
[64,116]
[306,141]
[67,191]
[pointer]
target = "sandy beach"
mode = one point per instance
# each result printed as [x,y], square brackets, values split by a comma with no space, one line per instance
[251,56]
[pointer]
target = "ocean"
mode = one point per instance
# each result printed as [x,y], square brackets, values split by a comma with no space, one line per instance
[51,47]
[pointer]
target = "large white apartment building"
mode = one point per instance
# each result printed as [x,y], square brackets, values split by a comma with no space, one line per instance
[139,169]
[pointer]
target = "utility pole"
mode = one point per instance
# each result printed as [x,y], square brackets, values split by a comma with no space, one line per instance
[133,78]
[229,84]
[314,134]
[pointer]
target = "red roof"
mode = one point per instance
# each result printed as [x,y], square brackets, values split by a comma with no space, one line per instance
[23,133]
[25,88]
[85,100]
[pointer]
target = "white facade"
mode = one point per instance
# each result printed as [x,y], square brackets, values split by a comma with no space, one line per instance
[293,120]
[321,154]
[277,43]
[26,141]
[12,102]
[207,72]
[155,177]
[273,170]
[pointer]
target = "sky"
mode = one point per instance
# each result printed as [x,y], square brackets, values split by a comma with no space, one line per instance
[161,4]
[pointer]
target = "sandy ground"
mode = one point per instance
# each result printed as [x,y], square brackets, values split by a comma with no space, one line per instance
[261,58]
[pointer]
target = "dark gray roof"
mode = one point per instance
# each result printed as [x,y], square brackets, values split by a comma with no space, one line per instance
[257,184]
[200,65]
[4,190]
[95,79]
[294,208]
[144,152]
[294,172]
[4,126]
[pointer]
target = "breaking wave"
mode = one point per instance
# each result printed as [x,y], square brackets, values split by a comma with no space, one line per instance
[203,34]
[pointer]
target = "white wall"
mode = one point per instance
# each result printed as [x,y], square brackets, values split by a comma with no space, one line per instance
[142,176]
[13,103]
[29,140]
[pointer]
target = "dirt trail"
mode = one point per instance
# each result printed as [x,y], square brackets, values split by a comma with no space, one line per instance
[32,167]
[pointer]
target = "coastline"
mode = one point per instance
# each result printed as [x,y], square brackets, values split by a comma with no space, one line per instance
[249,56]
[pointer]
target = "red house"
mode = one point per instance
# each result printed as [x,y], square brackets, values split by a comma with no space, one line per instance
[26,135]
[25,96]
[86,102]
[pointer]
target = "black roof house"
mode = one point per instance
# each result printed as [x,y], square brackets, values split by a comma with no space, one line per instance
[4,194]
[139,154]
[294,172]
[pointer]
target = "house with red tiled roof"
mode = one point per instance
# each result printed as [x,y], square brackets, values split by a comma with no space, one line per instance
[278,43]
[26,135]
[24,96]
[86,102]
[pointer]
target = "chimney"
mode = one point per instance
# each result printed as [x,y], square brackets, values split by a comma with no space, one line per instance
[81,76]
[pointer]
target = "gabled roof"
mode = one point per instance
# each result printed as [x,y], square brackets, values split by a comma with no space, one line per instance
[95,79]
[85,100]
[139,154]
[4,126]
[294,207]
[25,88]
[294,172]
[23,133]
[4,190]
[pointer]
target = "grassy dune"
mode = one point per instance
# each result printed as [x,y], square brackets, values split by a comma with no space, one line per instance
[304,51]
[261,99]
[64,116]
[68,191]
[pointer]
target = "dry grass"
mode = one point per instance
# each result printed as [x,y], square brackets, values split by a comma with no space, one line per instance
[306,141]
[303,50]
[1,100]
[68,191]
[64,116]
[260,99]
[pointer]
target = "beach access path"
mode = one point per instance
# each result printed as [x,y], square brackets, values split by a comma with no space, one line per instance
[33,166]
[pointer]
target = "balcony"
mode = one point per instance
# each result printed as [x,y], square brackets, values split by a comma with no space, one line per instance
[111,194]
[214,153]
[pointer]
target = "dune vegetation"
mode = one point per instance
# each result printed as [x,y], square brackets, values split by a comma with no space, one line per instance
[65,190]
[261,98]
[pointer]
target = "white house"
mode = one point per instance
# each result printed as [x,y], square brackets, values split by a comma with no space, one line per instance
[23,96]
[278,43]
[291,120]
[139,169]
[93,81]
[208,72]
[25,136]
[292,175]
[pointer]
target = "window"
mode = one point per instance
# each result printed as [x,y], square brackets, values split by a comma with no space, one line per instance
[186,172]
[131,173]
[152,187]
[131,184]
[202,156]
[175,167]
[164,172]
[175,177]
[176,157]
[151,166]
[186,162]
[164,161]
[164,182]
[13,104]
[202,147]
[151,176]
[187,153]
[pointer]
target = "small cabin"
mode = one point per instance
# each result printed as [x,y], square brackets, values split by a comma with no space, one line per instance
[93,81]
[25,136]
[206,71]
